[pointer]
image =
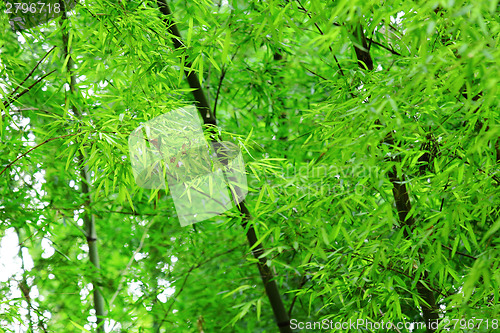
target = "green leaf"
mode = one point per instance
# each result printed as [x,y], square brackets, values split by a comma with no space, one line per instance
[226,45]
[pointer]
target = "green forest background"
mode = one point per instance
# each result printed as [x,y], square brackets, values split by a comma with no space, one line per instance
[370,134]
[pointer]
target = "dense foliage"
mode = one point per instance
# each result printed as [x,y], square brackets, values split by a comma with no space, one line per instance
[370,132]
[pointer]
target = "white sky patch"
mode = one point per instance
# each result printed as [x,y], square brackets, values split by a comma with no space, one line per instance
[84,290]
[48,250]
[10,263]
[19,121]
[81,78]
[134,289]
[85,249]
[398,19]
[167,292]
[20,38]
[103,84]
[111,325]
[28,261]
[139,256]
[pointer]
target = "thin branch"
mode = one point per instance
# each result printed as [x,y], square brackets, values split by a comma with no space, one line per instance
[321,32]
[35,147]
[390,49]
[314,73]
[222,76]
[33,70]
[122,212]
[460,253]
[187,274]
[392,326]
[22,109]
[23,285]
[129,264]
[301,285]
[11,100]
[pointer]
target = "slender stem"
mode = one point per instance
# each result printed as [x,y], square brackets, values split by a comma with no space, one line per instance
[11,100]
[88,217]
[303,281]
[321,32]
[32,71]
[390,49]
[198,94]
[33,148]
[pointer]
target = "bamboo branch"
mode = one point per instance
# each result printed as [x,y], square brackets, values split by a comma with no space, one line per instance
[400,192]
[303,281]
[390,49]
[321,32]
[186,276]
[458,252]
[129,264]
[11,100]
[198,94]
[88,217]
[33,70]
[33,148]
[203,107]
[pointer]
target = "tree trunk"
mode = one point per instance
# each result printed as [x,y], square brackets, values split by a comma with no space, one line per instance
[400,191]
[266,274]
[88,217]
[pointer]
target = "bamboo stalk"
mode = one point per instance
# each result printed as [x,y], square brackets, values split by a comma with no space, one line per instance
[88,217]
[400,191]
[203,107]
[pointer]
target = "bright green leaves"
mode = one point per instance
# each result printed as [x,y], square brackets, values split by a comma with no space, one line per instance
[316,147]
[225,46]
